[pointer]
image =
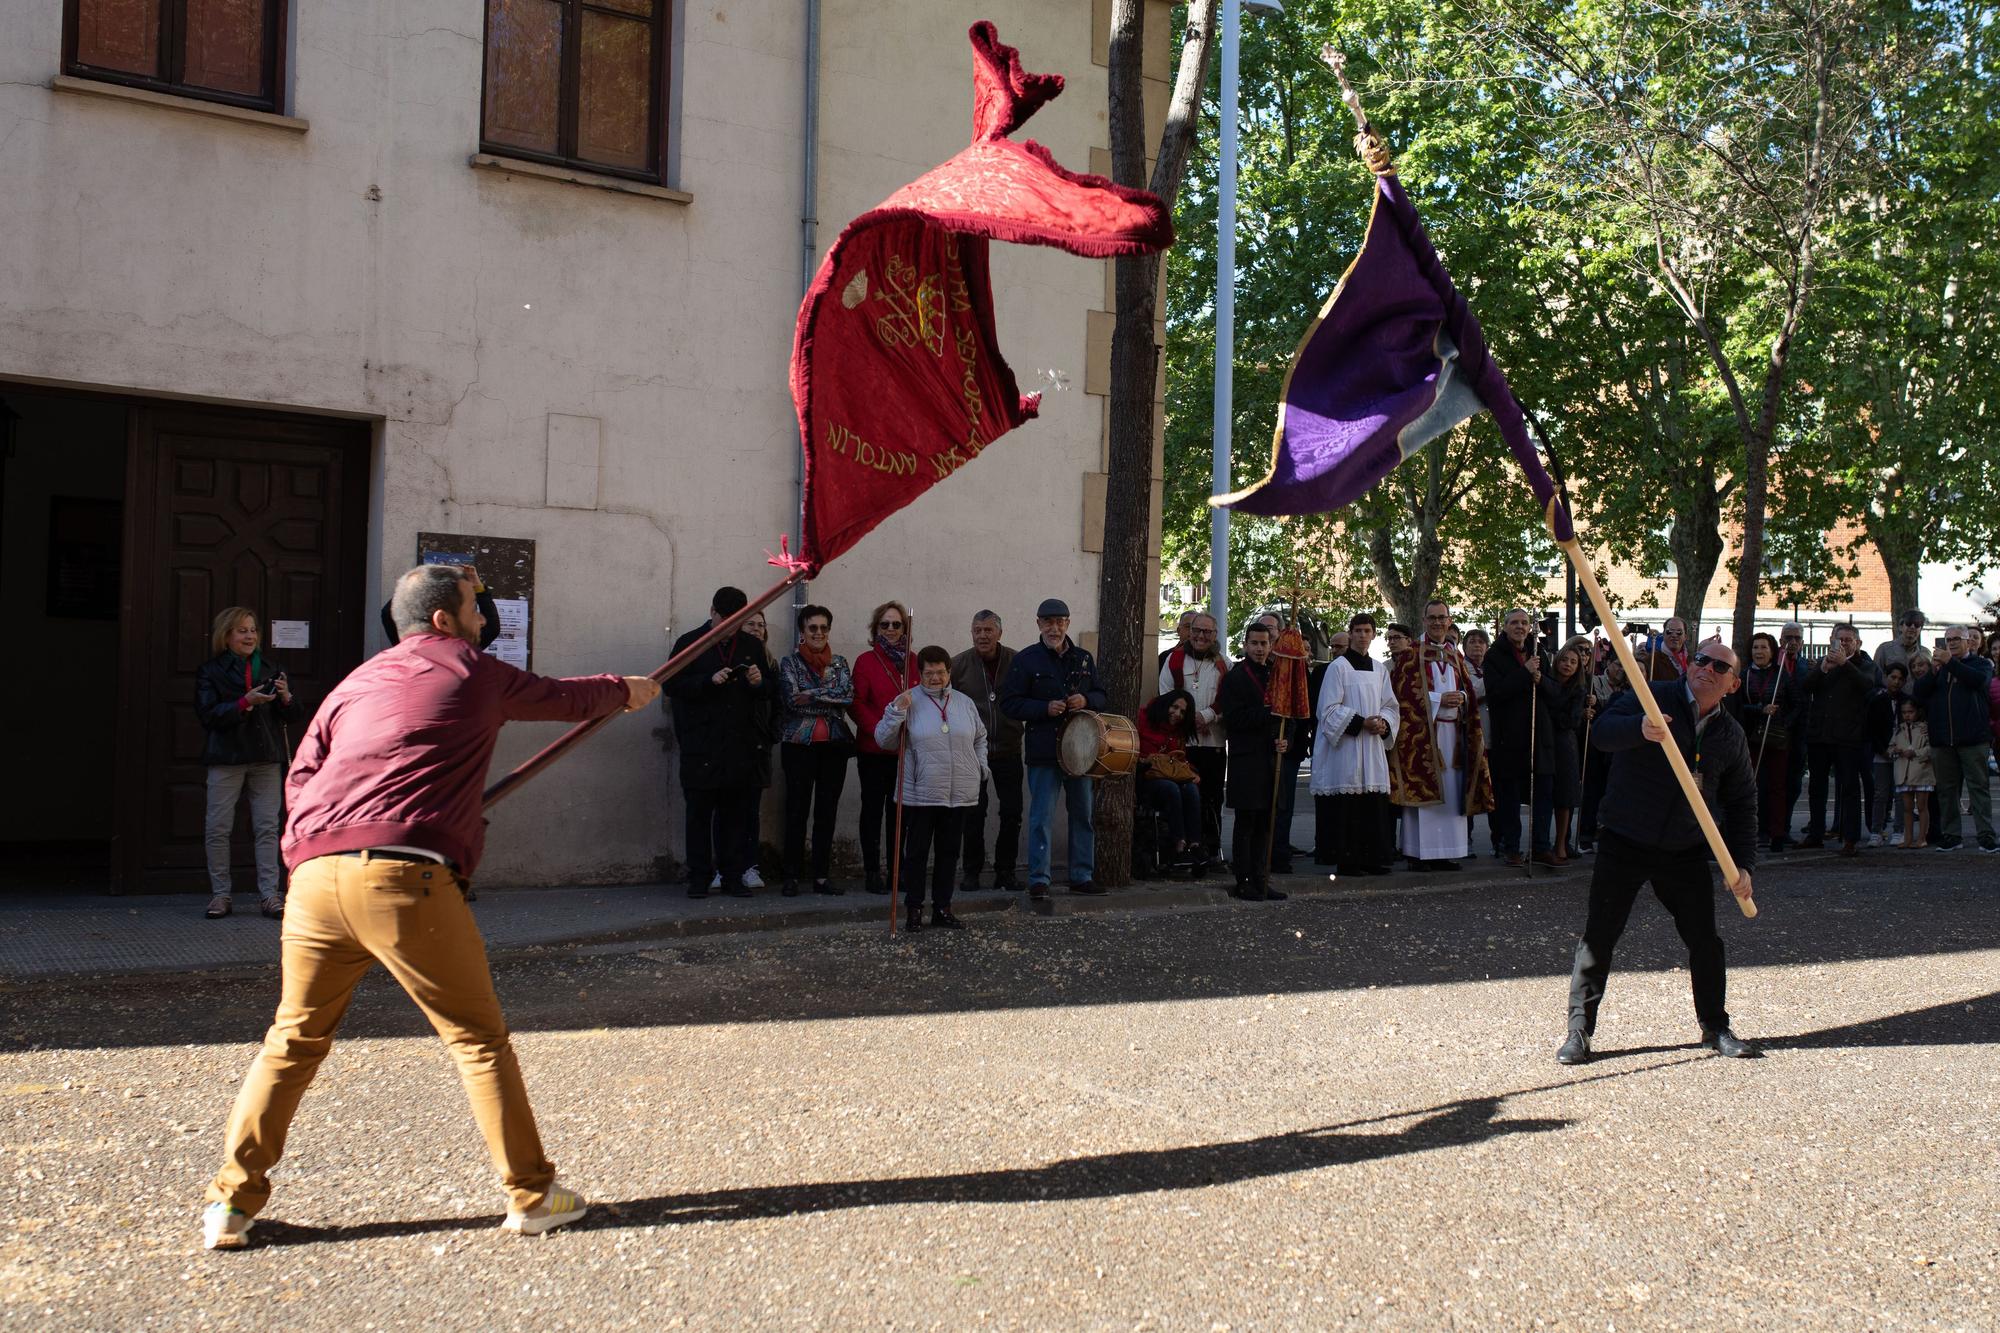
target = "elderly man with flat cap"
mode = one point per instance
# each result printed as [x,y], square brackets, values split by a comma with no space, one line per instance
[1649,834]
[1048,680]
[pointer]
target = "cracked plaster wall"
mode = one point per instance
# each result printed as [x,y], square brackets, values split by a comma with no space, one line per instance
[362,268]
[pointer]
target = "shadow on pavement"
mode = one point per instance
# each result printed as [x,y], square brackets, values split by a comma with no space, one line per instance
[1306,945]
[1107,1175]
[1957,1023]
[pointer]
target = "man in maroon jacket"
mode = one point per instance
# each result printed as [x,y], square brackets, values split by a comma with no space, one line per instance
[385,830]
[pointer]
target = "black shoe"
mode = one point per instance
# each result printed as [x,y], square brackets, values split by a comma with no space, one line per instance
[1945,844]
[1365,870]
[970,884]
[697,890]
[1989,843]
[791,889]
[1727,1044]
[1443,865]
[1575,1051]
[873,883]
[913,923]
[1038,893]
[1585,846]
[946,921]
[1007,882]
[1088,889]
[739,890]
[826,888]
[1811,844]
[1252,893]
[1274,895]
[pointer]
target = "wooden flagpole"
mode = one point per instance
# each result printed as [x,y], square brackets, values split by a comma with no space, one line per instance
[902,746]
[1731,876]
[1534,736]
[666,671]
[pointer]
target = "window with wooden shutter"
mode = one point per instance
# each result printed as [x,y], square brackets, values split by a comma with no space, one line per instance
[218,50]
[578,82]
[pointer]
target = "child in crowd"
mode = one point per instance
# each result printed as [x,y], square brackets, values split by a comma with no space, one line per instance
[1915,778]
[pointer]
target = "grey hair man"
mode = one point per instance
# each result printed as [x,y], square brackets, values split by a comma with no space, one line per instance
[978,673]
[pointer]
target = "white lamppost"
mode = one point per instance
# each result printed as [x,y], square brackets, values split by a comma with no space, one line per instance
[1225,306]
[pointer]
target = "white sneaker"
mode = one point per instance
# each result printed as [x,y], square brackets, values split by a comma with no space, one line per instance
[752,880]
[1874,840]
[224,1227]
[558,1208]
[716,882]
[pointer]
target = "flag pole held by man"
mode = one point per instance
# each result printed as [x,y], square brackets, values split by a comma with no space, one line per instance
[1394,360]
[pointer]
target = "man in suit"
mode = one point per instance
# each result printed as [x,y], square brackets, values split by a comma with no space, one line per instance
[1648,833]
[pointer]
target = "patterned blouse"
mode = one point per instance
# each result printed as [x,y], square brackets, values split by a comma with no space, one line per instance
[815,705]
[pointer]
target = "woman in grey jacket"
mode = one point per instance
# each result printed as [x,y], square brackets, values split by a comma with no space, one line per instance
[943,740]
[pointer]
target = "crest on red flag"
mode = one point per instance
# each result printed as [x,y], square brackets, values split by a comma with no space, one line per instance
[896,369]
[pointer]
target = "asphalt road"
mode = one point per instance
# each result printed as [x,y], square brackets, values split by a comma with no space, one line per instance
[1297,1115]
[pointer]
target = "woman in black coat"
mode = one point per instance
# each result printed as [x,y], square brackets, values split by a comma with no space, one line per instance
[245,705]
[1771,708]
[1564,692]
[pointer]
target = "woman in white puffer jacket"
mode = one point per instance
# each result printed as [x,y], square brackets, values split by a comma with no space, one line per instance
[944,761]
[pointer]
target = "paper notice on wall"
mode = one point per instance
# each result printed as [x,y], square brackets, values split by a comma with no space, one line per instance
[291,634]
[512,645]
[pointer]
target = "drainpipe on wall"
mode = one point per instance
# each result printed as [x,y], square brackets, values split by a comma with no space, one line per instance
[809,238]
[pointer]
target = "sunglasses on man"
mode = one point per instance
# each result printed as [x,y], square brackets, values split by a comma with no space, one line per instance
[1715,664]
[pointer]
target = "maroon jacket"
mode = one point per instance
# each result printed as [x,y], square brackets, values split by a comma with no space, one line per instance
[398,752]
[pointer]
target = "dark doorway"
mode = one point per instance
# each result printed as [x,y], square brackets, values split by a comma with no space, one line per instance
[61,544]
[201,508]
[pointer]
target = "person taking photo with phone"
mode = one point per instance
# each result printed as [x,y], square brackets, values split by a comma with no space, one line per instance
[245,704]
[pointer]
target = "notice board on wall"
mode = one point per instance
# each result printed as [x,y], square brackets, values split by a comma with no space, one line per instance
[507,566]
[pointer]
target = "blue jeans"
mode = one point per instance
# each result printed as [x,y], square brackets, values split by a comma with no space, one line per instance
[1043,781]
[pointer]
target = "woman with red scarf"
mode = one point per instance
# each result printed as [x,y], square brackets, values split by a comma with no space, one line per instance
[1167,781]
[243,702]
[884,670]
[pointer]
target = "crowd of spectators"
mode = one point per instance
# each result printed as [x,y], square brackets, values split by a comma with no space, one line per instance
[1889,748]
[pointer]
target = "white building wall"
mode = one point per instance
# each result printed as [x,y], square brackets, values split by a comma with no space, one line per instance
[362,268]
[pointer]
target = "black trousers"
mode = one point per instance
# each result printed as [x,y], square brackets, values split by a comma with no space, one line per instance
[1358,831]
[1681,882]
[1852,784]
[1820,765]
[1006,792]
[718,821]
[1510,793]
[814,777]
[1288,795]
[878,793]
[1211,765]
[1596,774]
[1248,841]
[927,828]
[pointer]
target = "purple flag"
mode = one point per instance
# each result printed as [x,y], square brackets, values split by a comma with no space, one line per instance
[1394,360]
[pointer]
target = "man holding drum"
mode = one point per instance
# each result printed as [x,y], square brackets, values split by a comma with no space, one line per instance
[1048,680]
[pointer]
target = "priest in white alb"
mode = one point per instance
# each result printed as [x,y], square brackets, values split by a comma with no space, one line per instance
[1350,764]
[1437,760]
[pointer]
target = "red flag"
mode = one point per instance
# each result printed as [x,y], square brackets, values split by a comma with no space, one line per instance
[896,371]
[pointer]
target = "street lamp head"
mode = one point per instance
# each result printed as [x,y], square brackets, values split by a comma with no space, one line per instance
[1263,9]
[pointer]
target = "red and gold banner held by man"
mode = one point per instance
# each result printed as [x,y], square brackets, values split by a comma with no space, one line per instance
[896,370]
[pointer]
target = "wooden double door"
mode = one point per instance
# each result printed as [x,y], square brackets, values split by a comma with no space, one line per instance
[225,508]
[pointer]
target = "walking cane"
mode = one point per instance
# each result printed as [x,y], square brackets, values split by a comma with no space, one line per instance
[1765,739]
[902,747]
[1534,698]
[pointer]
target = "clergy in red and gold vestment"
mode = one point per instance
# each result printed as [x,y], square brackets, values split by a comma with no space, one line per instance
[1437,770]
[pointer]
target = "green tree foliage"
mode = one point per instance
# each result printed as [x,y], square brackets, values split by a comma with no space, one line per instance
[1642,202]
[1900,431]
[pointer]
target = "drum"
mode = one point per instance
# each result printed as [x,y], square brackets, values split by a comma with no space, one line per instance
[1098,745]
